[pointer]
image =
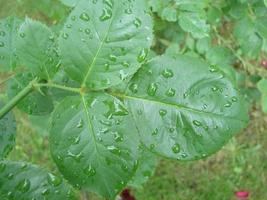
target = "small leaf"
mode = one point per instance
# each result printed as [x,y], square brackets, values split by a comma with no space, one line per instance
[104,42]
[25,181]
[7,133]
[36,49]
[37,102]
[192,23]
[183,118]
[8,34]
[94,143]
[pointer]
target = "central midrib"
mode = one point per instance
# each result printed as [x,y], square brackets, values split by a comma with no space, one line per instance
[97,53]
[177,106]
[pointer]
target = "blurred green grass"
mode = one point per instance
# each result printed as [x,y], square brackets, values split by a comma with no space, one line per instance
[241,164]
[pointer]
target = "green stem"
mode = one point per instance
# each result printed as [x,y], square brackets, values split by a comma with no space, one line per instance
[62,87]
[10,105]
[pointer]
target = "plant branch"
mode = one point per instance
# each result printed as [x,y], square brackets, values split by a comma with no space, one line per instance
[62,87]
[10,105]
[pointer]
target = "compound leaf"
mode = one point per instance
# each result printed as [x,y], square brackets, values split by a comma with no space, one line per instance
[7,134]
[183,108]
[104,42]
[25,181]
[94,143]
[36,50]
[36,103]
[8,34]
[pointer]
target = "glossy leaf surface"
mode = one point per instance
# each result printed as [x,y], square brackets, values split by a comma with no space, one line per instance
[8,34]
[104,42]
[7,133]
[184,109]
[94,143]
[35,48]
[24,181]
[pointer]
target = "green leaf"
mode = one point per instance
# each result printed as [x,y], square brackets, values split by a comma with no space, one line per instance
[104,42]
[69,3]
[94,143]
[7,134]
[24,181]
[180,117]
[36,49]
[262,86]
[8,33]
[36,103]
[146,168]
[192,23]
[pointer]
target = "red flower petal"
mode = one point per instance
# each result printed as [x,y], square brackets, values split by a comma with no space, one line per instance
[242,194]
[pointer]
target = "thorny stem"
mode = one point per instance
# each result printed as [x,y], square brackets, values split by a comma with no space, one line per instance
[11,104]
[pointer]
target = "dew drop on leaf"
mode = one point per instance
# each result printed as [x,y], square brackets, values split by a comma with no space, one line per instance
[152,89]
[167,73]
[80,124]
[89,171]
[24,185]
[171,92]
[176,148]
[137,23]
[133,88]
[162,112]
[2,44]
[106,14]
[197,123]
[142,55]
[54,180]
[85,17]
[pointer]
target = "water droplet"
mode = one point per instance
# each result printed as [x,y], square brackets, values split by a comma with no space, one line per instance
[125,64]
[114,150]
[170,93]
[54,180]
[45,192]
[113,58]
[152,89]
[137,23]
[167,73]
[65,35]
[213,69]
[134,88]
[142,55]
[155,132]
[2,33]
[214,89]
[106,14]
[197,123]
[87,31]
[89,171]
[234,99]
[22,35]
[118,137]
[176,148]
[228,104]
[2,44]
[24,185]
[128,11]
[85,17]
[80,124]
[76,157]
[162,112]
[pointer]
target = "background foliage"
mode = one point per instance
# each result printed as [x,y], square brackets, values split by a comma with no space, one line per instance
[230,34]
